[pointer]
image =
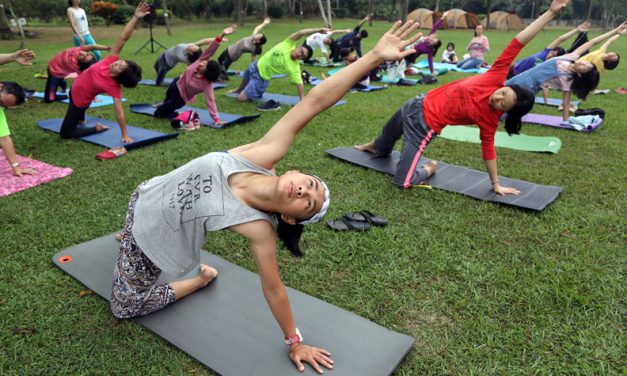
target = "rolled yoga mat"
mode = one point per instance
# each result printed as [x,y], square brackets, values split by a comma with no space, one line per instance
[111,138]
[205,117]
[290,100]
[457,179]
[228,326]
[502,139]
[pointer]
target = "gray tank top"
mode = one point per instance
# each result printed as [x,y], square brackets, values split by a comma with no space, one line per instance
[174,212]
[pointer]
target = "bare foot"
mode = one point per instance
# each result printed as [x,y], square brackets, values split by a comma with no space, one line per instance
[369,147]
[101,127]
[207,274]
[431,167]
[235,91]
[119,236]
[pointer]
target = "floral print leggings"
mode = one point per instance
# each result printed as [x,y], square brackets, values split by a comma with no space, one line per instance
[134,292]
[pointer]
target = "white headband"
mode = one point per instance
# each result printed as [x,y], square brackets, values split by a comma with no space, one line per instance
[323,210]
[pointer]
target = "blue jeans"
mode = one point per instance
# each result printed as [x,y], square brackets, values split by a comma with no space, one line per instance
[255,85]
[470,63]
[88,41]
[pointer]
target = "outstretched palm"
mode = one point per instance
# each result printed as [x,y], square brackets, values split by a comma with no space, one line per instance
[23,57]
[142,10]
[558,5]
[391,45]
[229,30]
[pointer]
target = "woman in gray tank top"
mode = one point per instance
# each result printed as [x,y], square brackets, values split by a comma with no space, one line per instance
[169,216]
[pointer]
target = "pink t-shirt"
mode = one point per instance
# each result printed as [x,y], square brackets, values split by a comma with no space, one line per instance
[190,83]
[478,46]
[93,81]
[65,62]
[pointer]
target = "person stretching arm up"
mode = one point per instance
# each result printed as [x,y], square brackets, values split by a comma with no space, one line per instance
[480,100]
[106,76]
[169,217]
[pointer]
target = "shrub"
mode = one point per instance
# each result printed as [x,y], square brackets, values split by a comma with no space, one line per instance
[104,9]
[340,12]
[123,14]
[275,11]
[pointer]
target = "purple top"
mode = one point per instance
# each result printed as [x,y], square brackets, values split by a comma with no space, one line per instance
[424,48]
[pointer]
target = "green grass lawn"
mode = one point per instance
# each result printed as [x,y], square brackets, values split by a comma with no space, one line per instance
[483,288]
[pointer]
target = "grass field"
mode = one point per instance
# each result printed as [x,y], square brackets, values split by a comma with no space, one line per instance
[484,289]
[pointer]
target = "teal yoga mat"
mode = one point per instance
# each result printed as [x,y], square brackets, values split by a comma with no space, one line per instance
[502,139]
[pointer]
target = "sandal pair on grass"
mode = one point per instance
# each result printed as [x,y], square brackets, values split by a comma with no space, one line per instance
[357,221]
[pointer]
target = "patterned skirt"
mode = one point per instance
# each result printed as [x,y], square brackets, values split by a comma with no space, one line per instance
[135,292]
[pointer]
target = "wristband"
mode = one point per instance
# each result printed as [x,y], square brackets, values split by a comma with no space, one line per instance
[295,338]
[15,165]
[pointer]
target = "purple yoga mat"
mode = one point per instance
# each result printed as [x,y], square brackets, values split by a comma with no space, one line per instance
[556,122]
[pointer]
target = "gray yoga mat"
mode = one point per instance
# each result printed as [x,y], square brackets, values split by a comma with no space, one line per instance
[167,81]
[461,180]
[229,328]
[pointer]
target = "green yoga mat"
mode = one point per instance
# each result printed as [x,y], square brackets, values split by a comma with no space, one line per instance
[502,139]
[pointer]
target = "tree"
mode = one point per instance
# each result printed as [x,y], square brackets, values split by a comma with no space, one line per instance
[323,15]
[404,10]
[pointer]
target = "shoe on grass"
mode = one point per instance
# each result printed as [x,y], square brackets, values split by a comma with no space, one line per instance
[270,105]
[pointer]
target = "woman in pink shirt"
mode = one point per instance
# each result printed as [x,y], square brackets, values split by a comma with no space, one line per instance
[478,45]
[68,61]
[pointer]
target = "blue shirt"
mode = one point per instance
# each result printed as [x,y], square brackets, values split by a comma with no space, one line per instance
[531,61]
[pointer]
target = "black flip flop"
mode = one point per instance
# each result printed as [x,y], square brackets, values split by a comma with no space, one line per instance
[366,216]
[346,224]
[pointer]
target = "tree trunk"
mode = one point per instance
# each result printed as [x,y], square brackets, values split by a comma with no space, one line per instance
[370,13]
[300,11]
[5,26]
[329,14]
[238,13]
[167,14]
[404,10]
[207,10]
[437,5]
[487,18]
[393,11]
[589,10]
[264,8]
[322,14]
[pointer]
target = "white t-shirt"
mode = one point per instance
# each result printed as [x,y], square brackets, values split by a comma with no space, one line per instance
[316,40]
[80,20]
[446,55]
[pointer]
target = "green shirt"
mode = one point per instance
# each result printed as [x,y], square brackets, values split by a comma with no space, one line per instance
[278,61]
[4,126]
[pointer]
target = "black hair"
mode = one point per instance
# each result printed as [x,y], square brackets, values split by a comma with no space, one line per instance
[309,51]
[83,65]
[450,44]
[436,46]
[69,3]
[363,34]
[585,83]
[524,103]
[290,236]
[194,55]
[262,40]
[213,71]
[130,76]
[559,51]
[13,88]
[609,65]
[344,52]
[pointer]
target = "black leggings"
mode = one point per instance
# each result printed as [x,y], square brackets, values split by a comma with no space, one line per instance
[52,83]
[580,40]
[225,59]
[172,102]
[74,116]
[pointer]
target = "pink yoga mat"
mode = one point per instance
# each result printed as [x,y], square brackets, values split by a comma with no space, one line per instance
[45,173]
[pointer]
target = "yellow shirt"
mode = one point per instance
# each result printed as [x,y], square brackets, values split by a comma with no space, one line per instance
[596,58]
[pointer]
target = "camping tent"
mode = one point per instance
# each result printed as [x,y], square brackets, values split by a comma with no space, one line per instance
[426,17]
[460,19]
[504,21]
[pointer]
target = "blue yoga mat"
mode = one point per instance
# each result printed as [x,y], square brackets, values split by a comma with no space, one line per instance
[290,100]
[553,101]
[100,101]
[205,117]
[241,74]
[168,81]
[315,81]
[112,137]
[452,67]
